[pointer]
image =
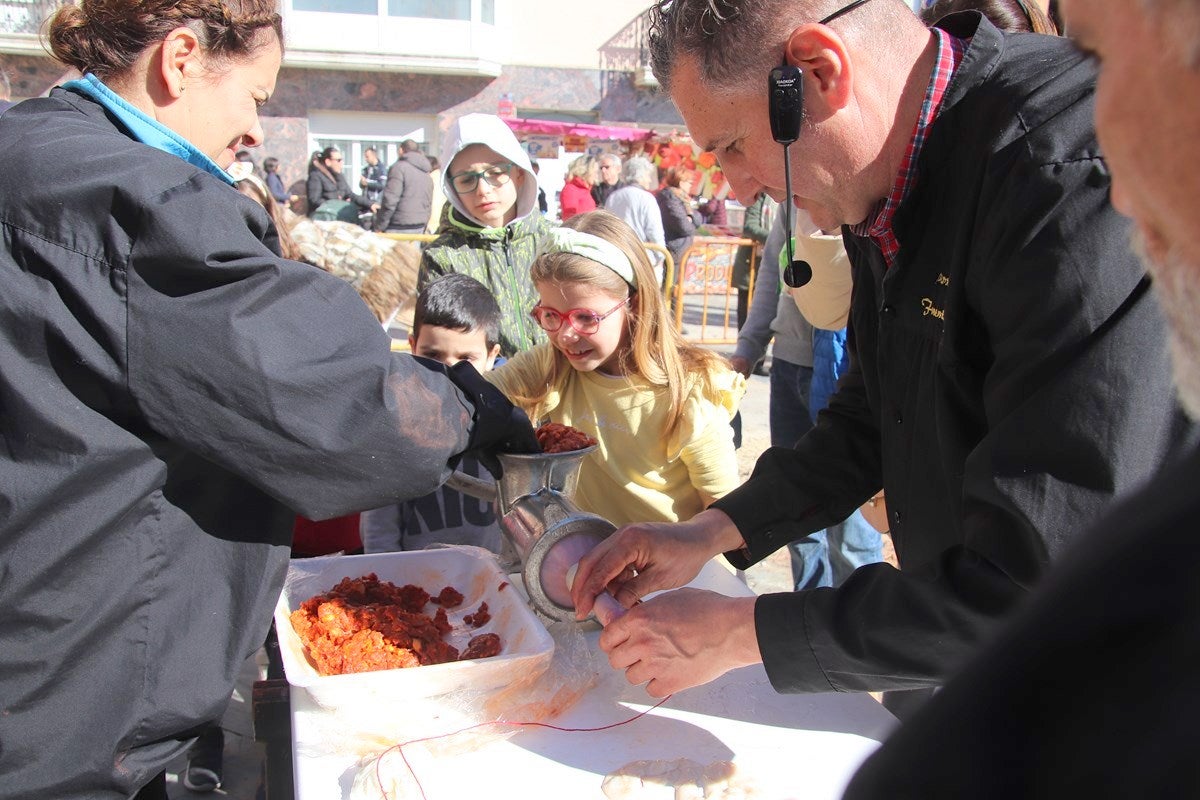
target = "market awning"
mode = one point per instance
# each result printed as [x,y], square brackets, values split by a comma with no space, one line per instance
[554,128]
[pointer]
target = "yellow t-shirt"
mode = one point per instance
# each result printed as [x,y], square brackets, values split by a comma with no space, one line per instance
[635,475]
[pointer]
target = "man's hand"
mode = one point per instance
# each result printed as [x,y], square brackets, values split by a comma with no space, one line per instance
[741,364]
[651,556]
[682,639]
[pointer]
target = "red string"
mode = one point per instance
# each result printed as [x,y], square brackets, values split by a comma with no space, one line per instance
[399,748]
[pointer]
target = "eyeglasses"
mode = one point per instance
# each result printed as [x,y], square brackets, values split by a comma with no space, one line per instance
[495,175]
[583,320]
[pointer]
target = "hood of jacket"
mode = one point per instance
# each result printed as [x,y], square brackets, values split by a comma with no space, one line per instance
[418,160]
[490,131]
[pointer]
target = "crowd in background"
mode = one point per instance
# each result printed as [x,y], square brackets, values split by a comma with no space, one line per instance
[590,182]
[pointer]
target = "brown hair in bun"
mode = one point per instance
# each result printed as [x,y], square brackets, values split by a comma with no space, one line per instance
[106,37]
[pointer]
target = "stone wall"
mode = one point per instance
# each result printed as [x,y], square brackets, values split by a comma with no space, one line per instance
[34,76]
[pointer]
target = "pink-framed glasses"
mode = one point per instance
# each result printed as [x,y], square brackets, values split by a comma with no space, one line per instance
[583,320]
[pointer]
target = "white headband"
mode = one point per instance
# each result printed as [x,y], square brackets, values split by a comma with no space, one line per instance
[602,251]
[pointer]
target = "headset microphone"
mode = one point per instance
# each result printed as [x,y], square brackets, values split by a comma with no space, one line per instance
[797,274]
[785,96]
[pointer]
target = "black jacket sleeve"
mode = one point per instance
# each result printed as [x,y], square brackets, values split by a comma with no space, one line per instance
[315,190]
[374,179]
[277,370]
[346,193]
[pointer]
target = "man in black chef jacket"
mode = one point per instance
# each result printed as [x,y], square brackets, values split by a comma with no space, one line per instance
[1008,373]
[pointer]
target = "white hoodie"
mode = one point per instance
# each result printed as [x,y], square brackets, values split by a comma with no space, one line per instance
[490,131]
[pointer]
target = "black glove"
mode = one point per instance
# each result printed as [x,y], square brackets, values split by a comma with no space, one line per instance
[500,427]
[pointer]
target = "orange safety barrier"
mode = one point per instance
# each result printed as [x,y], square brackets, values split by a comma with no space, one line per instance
[705,292]
[411,237]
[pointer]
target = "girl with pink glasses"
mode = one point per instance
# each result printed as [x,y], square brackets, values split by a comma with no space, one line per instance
[618,370]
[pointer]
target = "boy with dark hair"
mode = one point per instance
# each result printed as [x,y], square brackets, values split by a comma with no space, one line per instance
[456,319]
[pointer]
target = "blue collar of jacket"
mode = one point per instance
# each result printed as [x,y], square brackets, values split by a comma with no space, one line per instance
[144,129]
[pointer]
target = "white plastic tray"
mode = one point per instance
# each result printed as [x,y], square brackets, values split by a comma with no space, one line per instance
[526,645]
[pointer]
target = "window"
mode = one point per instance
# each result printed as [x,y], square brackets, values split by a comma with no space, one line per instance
[487,12]
[431,9]
[338,6]
[353,159]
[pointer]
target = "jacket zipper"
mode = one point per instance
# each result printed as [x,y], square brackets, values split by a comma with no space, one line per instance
[525,338]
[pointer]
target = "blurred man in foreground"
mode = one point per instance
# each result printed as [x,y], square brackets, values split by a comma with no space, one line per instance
[1092,692]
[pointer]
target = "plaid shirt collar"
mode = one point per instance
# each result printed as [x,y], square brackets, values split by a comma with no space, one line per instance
[878,225]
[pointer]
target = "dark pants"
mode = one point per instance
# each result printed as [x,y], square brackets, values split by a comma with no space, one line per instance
[156,789]
[743,307]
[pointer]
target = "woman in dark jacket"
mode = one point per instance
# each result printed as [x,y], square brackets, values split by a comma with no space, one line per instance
[174,393]
[327,182]
[679,227]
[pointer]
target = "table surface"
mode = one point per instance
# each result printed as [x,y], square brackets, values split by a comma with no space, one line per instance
[783,746]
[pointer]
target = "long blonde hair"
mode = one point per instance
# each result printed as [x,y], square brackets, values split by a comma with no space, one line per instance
[657,352]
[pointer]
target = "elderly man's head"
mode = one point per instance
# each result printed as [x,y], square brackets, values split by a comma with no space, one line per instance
[610,168]
[862,84]
[640,171]
[1148,123]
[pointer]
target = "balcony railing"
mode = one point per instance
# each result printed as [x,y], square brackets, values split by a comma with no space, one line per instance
[629,51]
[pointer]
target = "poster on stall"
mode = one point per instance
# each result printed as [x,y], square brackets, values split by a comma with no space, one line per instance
[599,147]
[575,144]
[542,146]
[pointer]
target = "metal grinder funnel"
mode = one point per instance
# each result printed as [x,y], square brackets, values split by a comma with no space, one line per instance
[538,518]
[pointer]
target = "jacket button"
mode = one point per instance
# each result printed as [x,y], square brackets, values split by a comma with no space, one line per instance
[899,419]
[896,519]
[888,310]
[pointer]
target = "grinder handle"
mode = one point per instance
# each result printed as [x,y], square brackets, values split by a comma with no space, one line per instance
[606,608]
[475,487]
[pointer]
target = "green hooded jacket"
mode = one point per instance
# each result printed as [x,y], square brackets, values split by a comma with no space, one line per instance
[500,259]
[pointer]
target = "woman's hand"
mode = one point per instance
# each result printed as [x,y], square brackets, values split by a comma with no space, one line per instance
[651,556]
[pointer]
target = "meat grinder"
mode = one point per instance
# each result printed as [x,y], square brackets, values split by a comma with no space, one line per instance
[540,522]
